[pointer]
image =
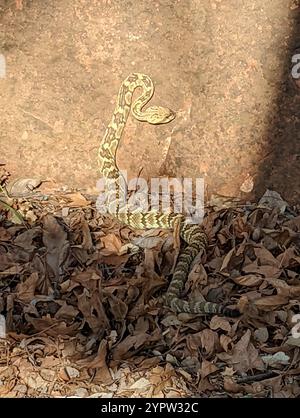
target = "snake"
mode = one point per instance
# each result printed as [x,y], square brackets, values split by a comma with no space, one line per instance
[195,238]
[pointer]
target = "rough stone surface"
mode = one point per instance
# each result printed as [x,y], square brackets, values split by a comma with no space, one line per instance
[222,65]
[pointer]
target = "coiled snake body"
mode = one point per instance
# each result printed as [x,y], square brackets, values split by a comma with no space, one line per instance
[193,235]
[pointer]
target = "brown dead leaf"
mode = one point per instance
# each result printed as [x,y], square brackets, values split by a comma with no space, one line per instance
[66,312]
[98,360]
[293,224]
[99,363]
[267,302]
[243,303]
[141,384]
[226,343]
[197,275]
[133,344]
[207,368]
[283,288]
[25,239]
[288,258]
[92,309]
[228,372]
[265,257]
[126,348]
[265,270]
[113,259]
[245,356]
[55,241]
[240,227]
[26,289]
[86,279]
[87,242]
[205,385]
[4,234]
[62,374]
[77,200]
[149,363]
[19,4]
[142,325]
[52,326]
[118,308]
[16,269]
[227,259]
[112,244]
[231,386]
[205,339]
[218,322]
[248,280]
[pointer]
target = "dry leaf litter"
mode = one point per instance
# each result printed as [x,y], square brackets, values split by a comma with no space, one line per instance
[81,299]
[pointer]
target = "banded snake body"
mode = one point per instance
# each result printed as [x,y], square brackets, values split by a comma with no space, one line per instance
[196,240]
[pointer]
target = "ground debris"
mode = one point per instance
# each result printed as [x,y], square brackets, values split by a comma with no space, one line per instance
[84,315]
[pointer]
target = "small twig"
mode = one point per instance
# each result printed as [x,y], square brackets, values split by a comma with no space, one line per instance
[41,332]
[36,117]
[256,378]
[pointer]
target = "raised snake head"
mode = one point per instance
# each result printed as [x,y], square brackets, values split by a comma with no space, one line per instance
[157,115]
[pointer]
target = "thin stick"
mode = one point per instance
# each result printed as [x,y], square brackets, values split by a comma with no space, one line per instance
[256,378]
[36,117]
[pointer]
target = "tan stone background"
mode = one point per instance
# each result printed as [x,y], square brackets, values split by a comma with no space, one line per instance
[222,65]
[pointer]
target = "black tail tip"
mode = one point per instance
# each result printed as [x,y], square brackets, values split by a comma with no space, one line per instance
[232,313]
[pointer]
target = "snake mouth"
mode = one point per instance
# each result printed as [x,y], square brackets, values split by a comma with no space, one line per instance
[172,116]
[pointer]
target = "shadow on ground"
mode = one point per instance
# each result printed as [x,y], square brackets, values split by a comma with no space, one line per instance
[280,169]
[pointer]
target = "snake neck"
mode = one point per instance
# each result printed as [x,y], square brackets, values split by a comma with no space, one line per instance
[107,150]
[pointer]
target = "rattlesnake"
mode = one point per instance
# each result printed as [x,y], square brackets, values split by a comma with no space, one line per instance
[193,235]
